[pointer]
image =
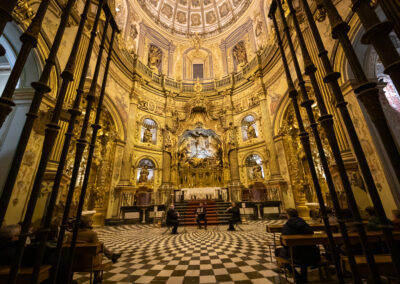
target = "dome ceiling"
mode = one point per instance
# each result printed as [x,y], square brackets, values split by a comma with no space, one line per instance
[187,17]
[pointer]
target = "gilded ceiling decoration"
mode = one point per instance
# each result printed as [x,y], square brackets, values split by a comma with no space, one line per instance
[186,17]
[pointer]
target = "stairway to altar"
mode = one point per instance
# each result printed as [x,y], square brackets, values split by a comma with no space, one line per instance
[215,212]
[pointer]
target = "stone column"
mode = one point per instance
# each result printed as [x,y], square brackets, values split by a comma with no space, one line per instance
[234,185]
[126,170]
[166,185]
[267,127]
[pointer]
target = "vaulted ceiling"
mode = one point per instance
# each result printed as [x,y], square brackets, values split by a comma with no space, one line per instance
[187,17]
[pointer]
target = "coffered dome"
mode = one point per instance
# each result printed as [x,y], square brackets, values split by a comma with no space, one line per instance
[187,17]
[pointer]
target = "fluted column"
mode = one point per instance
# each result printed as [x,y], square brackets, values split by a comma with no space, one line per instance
[127,159]
[267,125]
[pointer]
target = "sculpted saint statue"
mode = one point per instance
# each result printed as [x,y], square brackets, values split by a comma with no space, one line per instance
[147,135]
[257,172]
[251,132]
[144,173]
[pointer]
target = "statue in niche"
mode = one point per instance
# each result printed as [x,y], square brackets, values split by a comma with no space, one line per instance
[147,135]
[154,58]
[144,174]
[231,137]
[133,32]
[251,132]
[239,54]
[259,28]
[167,141]
[257,172]
[196,43]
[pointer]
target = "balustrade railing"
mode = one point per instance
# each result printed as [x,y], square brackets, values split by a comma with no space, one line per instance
[208,85]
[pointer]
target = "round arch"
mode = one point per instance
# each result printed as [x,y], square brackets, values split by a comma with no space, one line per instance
[33,67]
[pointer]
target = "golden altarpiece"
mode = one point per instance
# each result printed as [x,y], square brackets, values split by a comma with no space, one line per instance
[195,106]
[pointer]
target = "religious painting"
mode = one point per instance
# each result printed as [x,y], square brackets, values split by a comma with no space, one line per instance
[167,11]
[200,158]
[154,58]
[195,20]
[224,9]
[210,17]
[239,54]
[181,17]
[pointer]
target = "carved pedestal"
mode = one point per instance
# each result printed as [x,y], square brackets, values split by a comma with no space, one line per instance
[235,190]
[164,192]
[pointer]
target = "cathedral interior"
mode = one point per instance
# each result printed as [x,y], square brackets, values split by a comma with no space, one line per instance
[120,108]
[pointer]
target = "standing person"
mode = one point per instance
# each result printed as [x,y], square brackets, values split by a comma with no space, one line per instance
[234,210]
[201,216]
[172,218]
[302,255]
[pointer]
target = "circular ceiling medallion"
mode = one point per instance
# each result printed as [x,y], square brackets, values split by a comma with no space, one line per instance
[188,17]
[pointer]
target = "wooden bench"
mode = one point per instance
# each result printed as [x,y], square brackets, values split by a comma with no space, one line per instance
[324,263]
[25,274]
[383,262]
[91,251]
[317,239]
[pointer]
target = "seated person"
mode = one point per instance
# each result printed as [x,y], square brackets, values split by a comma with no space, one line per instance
[235,218]
[8,243]
[331,216]
[302,255]
[396,220]
[87,235]
[172,219]
[201,215]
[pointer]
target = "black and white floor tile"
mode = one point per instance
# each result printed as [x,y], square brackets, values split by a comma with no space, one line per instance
[192,256]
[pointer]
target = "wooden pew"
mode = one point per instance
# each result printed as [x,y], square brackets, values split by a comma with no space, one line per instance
[383,262]
[25,274]
[91,251]
[317,239]
[278,229]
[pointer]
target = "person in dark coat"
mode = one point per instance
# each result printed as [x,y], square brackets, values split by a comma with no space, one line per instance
[172,219]
[302,255]
[235,218]
[201,215]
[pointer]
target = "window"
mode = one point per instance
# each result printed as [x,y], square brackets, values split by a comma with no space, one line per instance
[198,71]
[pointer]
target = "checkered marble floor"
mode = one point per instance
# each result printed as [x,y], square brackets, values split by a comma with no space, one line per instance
[192,256]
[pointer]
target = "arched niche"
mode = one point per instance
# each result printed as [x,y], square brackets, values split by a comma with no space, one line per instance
[254,167]
[375,152]
[145,171]
[249,127]
[201,56]
[11,42]
[148,131]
